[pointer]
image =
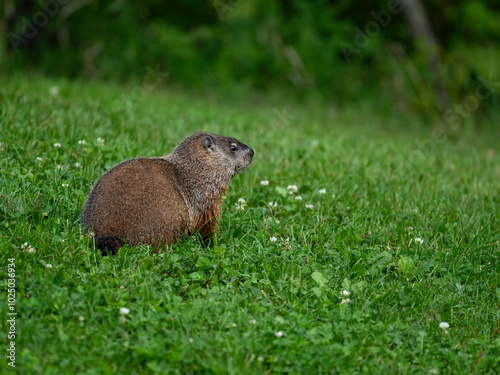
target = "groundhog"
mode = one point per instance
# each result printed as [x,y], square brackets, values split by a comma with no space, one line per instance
[159,199]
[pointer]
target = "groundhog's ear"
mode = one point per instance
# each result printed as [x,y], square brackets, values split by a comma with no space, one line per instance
[208,141]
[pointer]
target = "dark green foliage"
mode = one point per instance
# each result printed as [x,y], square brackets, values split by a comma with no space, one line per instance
[297,45]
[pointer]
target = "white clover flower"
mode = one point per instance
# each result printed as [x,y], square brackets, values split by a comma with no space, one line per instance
[124,311]
[190,339]
[260,358]
[28,248]
[273,204]
[444,325]
[100,141]
[241,204]
[264,182]
[253,321]
[39,159]
[309,206]
[345,297]
[82,142]
[48,265]
[65,185]
[81,318]
[59,167]
[322,191]
[57,145]
[54,90]
[292,189]
[78,165]
[278,334]
[273,239]
[419,240]
[298,197]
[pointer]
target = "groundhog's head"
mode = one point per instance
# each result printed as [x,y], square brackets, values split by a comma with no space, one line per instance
[217,152]
[229,151]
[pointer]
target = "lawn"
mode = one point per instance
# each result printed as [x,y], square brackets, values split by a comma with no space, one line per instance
[403,217]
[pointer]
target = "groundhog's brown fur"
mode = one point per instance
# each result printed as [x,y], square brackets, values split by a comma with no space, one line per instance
[157,200]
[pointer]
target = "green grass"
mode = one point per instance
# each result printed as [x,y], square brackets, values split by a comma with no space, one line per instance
[219,309]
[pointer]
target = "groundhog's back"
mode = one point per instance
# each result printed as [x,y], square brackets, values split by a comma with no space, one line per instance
[137,202]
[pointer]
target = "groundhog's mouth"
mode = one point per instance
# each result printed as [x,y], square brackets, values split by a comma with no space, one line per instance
[239,170]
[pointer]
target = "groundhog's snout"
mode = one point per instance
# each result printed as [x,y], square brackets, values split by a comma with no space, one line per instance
[245,159]
[250,153]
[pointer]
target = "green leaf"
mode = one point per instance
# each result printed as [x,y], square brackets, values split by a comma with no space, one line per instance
[346,284]
[380,262]
[196,276]
[281,191]
[203,262]
[358,287]
[317,291]
[319,278]
[406,265]
[219,250]
[424,267]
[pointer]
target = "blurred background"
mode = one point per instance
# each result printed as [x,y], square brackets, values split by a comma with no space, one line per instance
[436,58]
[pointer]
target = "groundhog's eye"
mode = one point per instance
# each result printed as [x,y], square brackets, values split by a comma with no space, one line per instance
[233,148]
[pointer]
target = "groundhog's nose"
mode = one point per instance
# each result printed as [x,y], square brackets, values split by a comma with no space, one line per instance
[251,152]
